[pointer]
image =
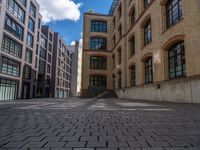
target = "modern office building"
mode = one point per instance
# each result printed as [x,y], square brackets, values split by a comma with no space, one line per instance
[45,63]
[144,49]
[19,37]
[61,68]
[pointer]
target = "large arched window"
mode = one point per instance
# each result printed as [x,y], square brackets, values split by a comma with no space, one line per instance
[146,3]
[174,12]
[98,81]
[176,56]
[98,43]
[98,26]
[132,45]
[132,17]
[147,33]
[133,75]
[148,64]
[119,80]
[98,62]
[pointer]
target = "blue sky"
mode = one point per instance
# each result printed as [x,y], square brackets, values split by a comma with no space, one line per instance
[71,30]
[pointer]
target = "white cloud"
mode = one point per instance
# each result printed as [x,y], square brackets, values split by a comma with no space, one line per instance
[55,10]
[73,43]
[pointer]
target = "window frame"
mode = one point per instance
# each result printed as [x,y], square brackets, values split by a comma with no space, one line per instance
[178,51]
[99,26]
[148,69]
[100,42]
[147,33]
[170,13]
[98,62]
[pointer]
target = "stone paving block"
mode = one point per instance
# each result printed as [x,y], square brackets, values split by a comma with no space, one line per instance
[70,138]
[83,149]
[76,144]
[34,144]
[176,148]
[96,144]
[55,144]
[13,145]
[106,148]
[89,138]
[118,144]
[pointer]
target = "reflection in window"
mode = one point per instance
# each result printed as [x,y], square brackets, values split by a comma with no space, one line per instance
[177,66]
[97,43]
[98,26]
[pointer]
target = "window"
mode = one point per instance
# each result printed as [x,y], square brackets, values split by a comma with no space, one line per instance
[16,10]
[119,80]
[97,43]
[177,66]
[43,42]
[113,60]
[120,31]
[48,69]
[132,46]
[11,47]
[27,72]
[41,67]
[9,67]
[146,3]
[23,2]
[119,56]
[29,40]
[147,33]
[132,18]
[98,62]
[8,89]
[98,26]
[14,28]
[31,25]
[97,80]
[114,40]
[32,10]
[133,75]
[120,11]
[174,12]
[51,37]
[50,47]
[39,23]
[28,56]
[148,70]
[43,53]
[49,58]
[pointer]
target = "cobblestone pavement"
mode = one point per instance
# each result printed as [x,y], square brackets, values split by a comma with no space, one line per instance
[98,125]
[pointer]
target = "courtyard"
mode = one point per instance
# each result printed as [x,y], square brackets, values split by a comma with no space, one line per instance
[98,124]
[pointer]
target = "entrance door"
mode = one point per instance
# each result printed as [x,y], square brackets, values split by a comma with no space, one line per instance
[8,89]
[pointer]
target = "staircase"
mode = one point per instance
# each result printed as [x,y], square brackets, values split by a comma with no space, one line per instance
[107,94]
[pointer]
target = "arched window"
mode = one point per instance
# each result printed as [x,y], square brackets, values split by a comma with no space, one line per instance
[146,3]
[174,12]
[132,46]
[98,62]
[98,43]
[119,80]
[132,17]
[98,26]
[148,63]
[176,58]
[147,33]
[98,81]
[119,56]
[133,75]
